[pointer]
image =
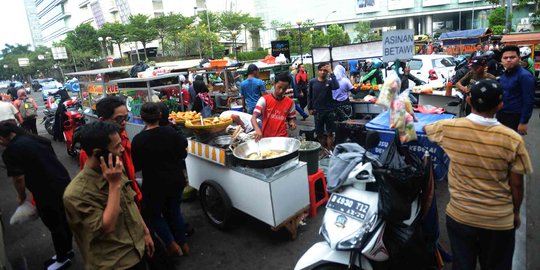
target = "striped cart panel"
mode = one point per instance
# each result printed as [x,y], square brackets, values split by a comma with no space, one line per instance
[207,152]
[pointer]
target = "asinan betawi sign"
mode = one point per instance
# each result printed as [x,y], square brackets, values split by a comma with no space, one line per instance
[398,44]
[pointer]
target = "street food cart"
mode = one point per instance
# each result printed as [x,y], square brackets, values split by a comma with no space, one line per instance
[276,194]
[137,91]
[221,82]
[464,42]
[96,84]
[531,40]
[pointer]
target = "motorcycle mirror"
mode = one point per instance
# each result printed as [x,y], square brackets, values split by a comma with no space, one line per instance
[372,139]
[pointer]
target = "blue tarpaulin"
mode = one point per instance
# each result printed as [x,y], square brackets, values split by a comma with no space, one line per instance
[465,34]
[381,124]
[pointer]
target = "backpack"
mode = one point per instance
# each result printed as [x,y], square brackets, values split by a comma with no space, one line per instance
[27,109]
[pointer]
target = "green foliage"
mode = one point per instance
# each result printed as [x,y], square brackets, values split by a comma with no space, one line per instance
[363,32]
[248,56]
[336,35]
[83,38]
[497,17]
[116,31]
[497,29]
[139,29]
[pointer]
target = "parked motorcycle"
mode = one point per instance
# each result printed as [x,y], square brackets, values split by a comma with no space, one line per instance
[72,119]
[352,226]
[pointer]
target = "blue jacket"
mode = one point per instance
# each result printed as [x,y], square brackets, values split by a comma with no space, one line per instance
[518,93]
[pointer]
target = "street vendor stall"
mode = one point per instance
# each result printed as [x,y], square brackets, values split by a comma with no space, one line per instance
[273,189]
[96,84]
[441,161]
[137,91]
[531,40]
[463,42]
[222,84]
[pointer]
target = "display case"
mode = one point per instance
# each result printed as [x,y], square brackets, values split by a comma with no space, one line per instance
[137,91]
[223,84]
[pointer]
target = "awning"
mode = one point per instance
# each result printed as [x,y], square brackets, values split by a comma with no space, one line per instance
[465,34]
[516,39]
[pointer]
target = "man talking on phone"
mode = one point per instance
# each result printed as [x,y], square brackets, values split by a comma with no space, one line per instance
[113,109]
[100,206]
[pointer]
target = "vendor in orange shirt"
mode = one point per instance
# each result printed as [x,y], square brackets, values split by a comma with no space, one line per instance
[277,110]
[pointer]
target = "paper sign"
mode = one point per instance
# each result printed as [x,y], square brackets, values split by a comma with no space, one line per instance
[398,45]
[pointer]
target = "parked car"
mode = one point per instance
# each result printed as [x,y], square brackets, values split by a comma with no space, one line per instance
[433,68]
[48,86]
[4,85]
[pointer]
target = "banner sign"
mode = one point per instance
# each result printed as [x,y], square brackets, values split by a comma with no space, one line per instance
[398,44]
[97,89]
[281,46]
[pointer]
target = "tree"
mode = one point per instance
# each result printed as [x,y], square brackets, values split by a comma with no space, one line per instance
[164,26]
[336,35]
[363,32]
[139,29]
[84,38]
[116,31]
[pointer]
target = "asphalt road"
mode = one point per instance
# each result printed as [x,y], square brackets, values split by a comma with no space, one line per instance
[250,244]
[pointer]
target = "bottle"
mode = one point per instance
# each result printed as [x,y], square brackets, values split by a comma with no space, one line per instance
[449,88]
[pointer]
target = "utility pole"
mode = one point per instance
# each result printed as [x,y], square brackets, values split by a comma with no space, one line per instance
[508,21]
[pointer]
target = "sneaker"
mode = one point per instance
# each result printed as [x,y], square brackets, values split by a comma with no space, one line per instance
[185,249]
[52,260]
[60,265]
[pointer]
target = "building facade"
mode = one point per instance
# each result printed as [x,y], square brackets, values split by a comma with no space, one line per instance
[33,23]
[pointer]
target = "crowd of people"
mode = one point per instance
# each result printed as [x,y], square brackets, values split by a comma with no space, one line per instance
[118,223]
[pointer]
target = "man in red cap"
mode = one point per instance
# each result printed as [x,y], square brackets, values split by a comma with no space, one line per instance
[478,71]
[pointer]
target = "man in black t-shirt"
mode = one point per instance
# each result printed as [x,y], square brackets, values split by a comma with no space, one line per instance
[31,162]
[322,104]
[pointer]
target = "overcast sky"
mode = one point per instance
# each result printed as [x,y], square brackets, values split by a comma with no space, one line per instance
[13,24]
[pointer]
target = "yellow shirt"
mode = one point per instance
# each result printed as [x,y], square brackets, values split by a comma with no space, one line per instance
[481,159]
[85,199]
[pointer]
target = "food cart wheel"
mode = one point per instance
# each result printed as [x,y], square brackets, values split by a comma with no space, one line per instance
[215,203]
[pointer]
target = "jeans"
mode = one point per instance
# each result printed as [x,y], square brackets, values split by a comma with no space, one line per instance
[494,249]
[300,110]
[162,214]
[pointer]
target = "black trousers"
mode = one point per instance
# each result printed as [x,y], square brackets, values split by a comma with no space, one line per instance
[494,249]
[140,266]
[30,125]
[54,218]
[510,120]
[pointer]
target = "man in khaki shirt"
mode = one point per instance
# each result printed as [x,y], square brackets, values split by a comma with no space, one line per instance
[100,207]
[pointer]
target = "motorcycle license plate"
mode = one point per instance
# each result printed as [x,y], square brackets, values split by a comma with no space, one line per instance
[348,206]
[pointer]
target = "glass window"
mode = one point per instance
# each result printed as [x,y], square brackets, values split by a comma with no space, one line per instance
[416,64]
[443,62]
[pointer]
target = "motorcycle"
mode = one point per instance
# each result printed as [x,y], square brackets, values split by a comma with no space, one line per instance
[73,118]
[352,227]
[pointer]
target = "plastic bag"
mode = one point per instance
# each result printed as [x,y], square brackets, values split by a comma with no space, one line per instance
[281,59]
[389,90]
[24,213]
[401,181]
[402,117]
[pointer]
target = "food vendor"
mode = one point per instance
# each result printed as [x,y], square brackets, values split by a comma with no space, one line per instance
[240,118]
[277,110]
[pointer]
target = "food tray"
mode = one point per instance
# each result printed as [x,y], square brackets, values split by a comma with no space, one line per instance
[195,125]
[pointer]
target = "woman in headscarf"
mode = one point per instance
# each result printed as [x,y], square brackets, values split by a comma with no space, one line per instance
[302,85]
[341,95]
[202,103]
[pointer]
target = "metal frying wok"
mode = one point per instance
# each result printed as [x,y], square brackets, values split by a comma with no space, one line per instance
[242,151]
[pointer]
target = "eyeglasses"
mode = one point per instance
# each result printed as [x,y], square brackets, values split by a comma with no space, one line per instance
[121,118]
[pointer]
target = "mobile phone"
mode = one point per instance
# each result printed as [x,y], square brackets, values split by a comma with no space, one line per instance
[105,155]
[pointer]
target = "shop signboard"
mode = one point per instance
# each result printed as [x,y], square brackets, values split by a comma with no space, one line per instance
[97,89]
[398,44]
[281,47]
[363,6]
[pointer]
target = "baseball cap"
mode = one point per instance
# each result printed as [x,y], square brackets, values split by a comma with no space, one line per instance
[477,61]
[486,95]
[252,68]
